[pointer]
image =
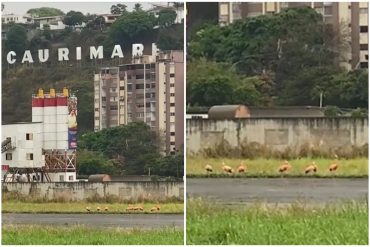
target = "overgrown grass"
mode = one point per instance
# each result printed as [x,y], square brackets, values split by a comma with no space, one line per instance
[80,207]
[80,235]
[269,167]
[263,225]
[255,150]
[66,197]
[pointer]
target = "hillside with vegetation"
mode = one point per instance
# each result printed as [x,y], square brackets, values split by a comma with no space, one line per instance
[20,81]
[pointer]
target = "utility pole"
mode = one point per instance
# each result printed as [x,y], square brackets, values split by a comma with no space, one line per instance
[321,94]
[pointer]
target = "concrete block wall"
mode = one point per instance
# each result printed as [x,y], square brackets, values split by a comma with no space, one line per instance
[156,191]
[277,133]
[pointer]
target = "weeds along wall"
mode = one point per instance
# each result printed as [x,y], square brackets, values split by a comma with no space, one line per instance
[277,137]
[85,191]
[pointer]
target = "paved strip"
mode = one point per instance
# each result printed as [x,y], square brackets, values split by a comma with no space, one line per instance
[277,190]
[98,220]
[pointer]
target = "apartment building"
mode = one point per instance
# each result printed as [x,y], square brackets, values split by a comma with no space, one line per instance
[150,90]
[349,17]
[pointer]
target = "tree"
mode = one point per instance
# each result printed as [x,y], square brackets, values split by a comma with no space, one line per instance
[73,18]
[293,50]
[95,22]
[210,83]
[45,11]
[138,7]
[16,39]
[118,9]
[169,166]
[166,17]
[132,27]
[94,163]
[132,146]
[171,38]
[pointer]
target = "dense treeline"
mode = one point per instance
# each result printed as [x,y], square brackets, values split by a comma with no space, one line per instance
[128,149]
[290,58]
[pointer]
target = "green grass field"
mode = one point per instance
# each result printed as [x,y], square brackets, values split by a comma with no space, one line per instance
[80,207]
[269,167]
[262,225]
[80,235]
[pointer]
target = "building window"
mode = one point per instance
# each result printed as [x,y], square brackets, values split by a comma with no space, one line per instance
[114,107]
[70,178]
[61,178]
[364,47]
[328,10]
[122,88]
[103,98]
[96,109]
[172,143]
[363,29]
[29,136]
[172,94]
[367,57]
[139,86]
[172,114]
[363,11]
[172,104]
[172,133]
[140,76]
[128,77]
[364,65]
[9,156]
[29,156]
[172,74]
[172,85]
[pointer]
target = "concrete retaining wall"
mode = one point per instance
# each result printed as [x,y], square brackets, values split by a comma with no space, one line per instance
[156,191]
[277,133]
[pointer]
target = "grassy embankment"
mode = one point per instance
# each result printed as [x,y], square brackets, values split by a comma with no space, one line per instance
[80,207]
[261,167]
[263,225]
[80,235]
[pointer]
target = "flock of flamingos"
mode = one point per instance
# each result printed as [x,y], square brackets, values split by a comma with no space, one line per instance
[130,208]
[284,168]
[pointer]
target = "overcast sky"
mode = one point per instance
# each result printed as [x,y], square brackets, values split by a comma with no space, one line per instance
[84,7]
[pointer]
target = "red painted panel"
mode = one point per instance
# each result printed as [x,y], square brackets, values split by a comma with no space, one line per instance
[37,102]
[50,102]
[62,101]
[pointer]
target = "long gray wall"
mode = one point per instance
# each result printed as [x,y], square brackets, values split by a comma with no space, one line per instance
[277,133]
[157,191]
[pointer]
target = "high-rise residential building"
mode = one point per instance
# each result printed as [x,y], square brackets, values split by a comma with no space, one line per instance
[150,90]
[351,18]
